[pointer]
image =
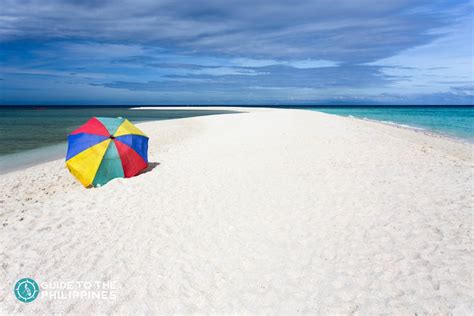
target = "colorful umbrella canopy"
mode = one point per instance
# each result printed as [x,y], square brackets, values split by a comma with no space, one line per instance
[105,148]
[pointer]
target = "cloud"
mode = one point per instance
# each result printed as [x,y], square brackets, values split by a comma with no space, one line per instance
[249,51]
[301,64]
[269,77]
[341,31]
[100,50]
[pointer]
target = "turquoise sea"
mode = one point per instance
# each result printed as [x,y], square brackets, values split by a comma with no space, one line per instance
[32,135]
[455,122]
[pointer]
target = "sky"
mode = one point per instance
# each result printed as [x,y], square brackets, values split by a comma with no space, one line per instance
[271,52]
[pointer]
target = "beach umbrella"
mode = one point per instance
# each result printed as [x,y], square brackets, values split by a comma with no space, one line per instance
[105,148]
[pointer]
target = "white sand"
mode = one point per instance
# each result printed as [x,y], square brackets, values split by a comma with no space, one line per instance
[269,211]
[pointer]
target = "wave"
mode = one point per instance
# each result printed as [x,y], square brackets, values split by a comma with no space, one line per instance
[28,158]
[396,124]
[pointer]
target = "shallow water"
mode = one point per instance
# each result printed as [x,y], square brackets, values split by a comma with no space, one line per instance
[456,122]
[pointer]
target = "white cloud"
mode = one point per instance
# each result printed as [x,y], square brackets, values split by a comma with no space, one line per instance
[300,64]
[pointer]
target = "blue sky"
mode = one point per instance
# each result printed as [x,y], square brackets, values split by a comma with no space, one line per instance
[236,52]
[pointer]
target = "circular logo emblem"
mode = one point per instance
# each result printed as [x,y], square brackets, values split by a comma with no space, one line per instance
[26,290]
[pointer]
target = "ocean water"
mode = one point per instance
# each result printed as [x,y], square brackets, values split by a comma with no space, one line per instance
[454,122]
[32,135]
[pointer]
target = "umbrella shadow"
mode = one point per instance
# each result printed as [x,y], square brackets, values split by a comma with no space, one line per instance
[151,166]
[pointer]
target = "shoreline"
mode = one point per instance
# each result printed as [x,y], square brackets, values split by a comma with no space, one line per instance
[407,126]
[415,129]
[57,151]
[7,166]
[31,158]
[421,130]
[268,211]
